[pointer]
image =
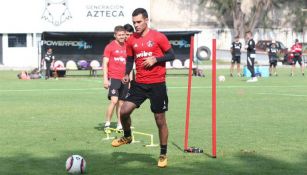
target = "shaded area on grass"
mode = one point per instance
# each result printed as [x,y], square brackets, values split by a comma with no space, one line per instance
[138,163]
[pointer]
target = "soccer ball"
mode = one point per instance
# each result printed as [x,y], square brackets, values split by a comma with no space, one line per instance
[75,164]
[221,78]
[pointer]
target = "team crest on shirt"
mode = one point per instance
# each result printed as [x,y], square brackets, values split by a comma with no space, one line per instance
[150,43]
[113,91]
[116,51]
[135,45]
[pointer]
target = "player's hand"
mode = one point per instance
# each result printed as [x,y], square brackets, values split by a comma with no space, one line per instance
[149,61]
[106,84]
[126,79]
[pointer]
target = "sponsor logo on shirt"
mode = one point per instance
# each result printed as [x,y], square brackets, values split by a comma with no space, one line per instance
[121,59]
[144,54]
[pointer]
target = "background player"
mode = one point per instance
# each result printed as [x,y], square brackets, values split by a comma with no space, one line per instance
[296,50]
[236,56]
[150,50]
[273,57]
[251,55]
[114,65]
[129,30]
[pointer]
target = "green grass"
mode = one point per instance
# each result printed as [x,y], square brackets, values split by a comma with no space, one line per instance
[261,127]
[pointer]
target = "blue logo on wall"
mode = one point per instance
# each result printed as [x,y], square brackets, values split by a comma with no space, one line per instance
[84,45]
[180,43]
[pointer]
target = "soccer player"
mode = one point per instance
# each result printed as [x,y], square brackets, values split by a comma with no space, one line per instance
[251,55]
[114,65]
[129,30]
[296,50]
[49,61]
[149,50]
[236,56]
[272,51]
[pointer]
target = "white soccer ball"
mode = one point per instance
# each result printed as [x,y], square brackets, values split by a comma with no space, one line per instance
[75,164]
[221,78]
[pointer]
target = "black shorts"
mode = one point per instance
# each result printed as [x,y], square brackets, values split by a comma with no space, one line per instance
[297,59]
[118,89]
[156,93]
[236,59]
[273,63]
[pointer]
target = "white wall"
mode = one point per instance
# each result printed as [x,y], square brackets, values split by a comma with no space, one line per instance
[20,57]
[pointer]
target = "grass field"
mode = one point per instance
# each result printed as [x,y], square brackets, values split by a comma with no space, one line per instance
[261,127]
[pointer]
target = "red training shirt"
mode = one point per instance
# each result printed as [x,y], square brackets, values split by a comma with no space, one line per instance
[296,48]
[117,60]
[154,44]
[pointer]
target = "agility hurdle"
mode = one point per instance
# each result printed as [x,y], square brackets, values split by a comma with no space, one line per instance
[144,134]
[109,131]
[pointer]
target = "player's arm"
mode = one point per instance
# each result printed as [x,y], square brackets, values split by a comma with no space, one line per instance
[129,67]
[105,72]
[169,55]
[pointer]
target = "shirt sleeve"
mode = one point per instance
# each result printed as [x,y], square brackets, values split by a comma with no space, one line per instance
[164,43]
[107,52]
[129,47]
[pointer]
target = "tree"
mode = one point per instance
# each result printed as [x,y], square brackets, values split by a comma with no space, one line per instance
[246,14]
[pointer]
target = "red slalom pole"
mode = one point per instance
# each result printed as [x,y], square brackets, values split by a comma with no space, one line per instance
[187,121]
[214,98]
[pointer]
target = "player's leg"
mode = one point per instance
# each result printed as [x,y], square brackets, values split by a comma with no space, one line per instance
[113,97]
[159,105]
[250,66]
[135,97]
[274,67]
[110,110]
[271,68]
[122,94]
[301,65]
[47,72]
[231,67]
[163,136]
[125,113]
[238,66]
[293,66]
[118,107]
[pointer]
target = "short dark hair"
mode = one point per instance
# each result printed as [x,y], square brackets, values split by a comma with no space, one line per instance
[248,32]
[141,11]
[118,29]
[296,40]
[129,28]
[237,37]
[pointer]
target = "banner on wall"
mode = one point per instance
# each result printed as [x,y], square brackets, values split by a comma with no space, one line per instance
[36,16]
[90,46]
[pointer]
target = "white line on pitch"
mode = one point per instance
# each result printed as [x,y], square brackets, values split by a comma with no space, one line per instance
[33,90]
[280,94]
[169,87]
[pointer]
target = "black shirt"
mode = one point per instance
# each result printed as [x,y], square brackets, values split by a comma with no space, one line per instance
[49,57]
[272,51]
[251,49]
[236,48]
